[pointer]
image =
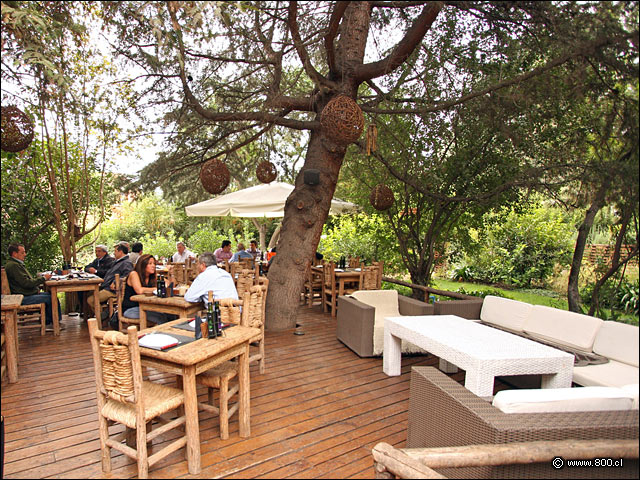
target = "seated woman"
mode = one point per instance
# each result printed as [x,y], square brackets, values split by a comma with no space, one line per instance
[140,281]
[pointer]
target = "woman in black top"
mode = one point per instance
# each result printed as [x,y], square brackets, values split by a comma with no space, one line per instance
[140,281]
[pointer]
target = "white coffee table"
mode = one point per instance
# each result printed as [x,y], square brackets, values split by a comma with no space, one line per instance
[483,352]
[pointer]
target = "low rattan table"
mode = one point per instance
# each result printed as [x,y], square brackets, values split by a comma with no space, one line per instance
[483,352]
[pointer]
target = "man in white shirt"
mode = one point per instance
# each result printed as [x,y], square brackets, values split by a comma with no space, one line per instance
[211,278]
[182,254]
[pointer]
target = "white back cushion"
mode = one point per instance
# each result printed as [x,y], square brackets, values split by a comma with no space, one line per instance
[562,327]
[618,341]
[504,312]
[384,301]
[580,399]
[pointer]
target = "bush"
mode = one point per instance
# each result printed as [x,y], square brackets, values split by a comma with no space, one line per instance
[483,293]
[628,296]
[520,248]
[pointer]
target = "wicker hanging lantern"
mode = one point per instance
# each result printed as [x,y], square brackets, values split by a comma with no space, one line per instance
[17,129]
[214,176]
[381,197]
[342,120]
[266,172]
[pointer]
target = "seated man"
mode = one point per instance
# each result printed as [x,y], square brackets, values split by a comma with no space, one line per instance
[101,265]
[136,251]
[241,253]
[122,266]
[22,283]
[223,253]
[210,278]
[253,249]
[182,254]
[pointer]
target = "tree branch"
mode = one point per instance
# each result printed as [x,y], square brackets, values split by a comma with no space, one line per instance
[334,23]
[404,48]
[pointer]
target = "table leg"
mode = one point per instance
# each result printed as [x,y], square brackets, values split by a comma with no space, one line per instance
[54,310]
[244,394]
[96,304]
[11,340]
[481,385]
[143,317]
[392,354]
[191,413]
[562,379]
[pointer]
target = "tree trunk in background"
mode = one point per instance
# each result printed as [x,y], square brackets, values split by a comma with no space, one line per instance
[573,293]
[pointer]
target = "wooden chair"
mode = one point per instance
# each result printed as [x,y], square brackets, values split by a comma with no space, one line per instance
[29,316]
[369,277]
[179,272]
[354,262]
[312,286]
[121,284]
[246,279]
[3,357]
[329,288]
[220,377]
[380,266]
[256,318]
[123,397]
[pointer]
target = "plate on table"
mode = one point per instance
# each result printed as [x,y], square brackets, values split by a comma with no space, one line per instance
[338,270]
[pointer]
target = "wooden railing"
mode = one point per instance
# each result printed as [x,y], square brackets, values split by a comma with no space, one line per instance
[429,291]
[390,462]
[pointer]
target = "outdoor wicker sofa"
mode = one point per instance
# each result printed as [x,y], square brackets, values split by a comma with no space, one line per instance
[442,413]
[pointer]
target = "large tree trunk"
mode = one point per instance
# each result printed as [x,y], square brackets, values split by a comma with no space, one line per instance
[306,210]
[573,294]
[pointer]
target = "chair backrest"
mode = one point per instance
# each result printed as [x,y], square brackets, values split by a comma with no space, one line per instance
[354,262]
[230,311]
[329,274]
[234,269]
[245,280]
[380,266]
[6,289]
[116,359]
[179,272]
[256,302]
[369,277]
[121,285]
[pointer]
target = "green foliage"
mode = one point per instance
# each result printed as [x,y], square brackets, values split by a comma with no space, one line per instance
[615,295]
[159,245]
[519,248]
[359,235]
[484,292]
[628,295]
[206,240]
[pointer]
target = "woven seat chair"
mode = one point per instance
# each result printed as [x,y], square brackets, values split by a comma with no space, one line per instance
[123,397]
[380,266]
[121,284]
[329,288]
[312,288]
[369,276]
[221,376]
[354,262]
[29,316]
[246,279]
[179,272]
[256,319]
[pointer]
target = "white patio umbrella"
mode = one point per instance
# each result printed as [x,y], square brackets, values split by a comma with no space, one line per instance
[261,201]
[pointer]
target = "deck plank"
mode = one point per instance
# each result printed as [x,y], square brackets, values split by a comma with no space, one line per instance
[315,413]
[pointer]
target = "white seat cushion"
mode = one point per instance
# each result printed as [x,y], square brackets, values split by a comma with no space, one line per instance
[505,313]
[633,390]
[563,328]
[610,374]
[386,304]
[581,399]
[618,341]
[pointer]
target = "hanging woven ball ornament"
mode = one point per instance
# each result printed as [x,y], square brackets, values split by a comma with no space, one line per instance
[214,176]
[17,129]
[342,120]
[381,197]
[266,172]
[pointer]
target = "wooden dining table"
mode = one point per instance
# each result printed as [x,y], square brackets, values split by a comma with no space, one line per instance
[344,277]
[10,305]
[88,283]
[188,360]
[176,305]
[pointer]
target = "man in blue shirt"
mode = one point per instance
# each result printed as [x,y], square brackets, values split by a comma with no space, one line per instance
[241,253]
[211,278]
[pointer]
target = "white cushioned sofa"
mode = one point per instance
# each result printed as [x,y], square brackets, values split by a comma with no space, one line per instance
[581,334]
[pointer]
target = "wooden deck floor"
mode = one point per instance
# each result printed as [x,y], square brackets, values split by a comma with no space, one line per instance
[316,412]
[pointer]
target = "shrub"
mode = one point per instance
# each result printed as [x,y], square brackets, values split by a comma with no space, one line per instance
[628,296]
